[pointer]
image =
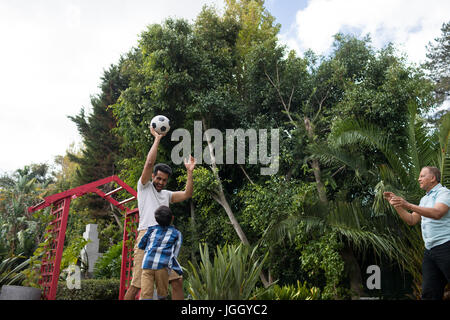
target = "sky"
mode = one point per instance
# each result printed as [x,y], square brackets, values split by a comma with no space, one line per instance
[54,52]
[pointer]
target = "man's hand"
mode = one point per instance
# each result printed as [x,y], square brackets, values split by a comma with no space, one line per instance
[187,193]
[388,195]
[395,201]
[398,202]
[190,163]
[156,134]
[400,206]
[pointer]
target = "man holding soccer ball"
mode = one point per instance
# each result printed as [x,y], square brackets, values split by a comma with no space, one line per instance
[152,195]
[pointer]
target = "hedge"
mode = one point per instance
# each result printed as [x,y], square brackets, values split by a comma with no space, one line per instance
[91,289]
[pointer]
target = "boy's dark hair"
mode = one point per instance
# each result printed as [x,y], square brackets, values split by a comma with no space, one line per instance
[163,216]
[163,168]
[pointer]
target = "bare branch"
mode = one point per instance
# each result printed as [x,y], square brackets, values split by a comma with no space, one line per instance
[245,173]
[277,87]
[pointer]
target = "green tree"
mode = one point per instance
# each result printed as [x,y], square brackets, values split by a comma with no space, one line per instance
[21,231]
[438,63]
[354,81]
[66,174]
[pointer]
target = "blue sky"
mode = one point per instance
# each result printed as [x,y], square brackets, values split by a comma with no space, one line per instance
[54,52]
[284,11]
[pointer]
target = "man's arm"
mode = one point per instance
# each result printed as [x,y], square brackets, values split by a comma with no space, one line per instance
[436,212]
[410,218]
[151,158]
[179,196]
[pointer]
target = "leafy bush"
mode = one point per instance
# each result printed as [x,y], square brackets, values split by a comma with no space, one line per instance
[288,292]
[232,275]
[71,253]
[321,259]
[91,289]
[108,266]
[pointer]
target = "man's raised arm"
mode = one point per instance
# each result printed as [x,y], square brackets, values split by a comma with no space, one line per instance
[179,196]
[151,158]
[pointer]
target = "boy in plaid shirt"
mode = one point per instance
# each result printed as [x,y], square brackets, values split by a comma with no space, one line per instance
[161,244]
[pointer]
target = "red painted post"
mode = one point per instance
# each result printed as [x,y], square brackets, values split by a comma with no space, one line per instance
[123,268]
[59,249]
[131,220]
[52,260]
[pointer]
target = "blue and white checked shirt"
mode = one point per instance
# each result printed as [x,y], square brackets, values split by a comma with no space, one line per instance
[161,245]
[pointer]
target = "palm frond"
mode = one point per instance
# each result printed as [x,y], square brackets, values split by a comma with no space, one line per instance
[427,146]
[352,132]
[10,270]
[278,231]
[381,234]
[444,142]
[335,156]
[412,143]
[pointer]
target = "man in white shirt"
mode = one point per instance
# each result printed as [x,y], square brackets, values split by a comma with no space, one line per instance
[434,214]
[151,195]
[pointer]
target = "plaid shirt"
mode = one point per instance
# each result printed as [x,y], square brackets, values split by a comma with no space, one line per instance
[161,245]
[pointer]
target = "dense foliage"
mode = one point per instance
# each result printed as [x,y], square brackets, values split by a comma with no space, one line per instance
[351,124]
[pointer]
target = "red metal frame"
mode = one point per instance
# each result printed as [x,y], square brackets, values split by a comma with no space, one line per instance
[51,261]
[60,203]
[130,227]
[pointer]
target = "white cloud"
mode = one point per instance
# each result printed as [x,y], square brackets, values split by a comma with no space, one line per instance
[53,55]
[409,24]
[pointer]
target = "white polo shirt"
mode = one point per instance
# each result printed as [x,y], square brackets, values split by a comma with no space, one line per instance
[148,201]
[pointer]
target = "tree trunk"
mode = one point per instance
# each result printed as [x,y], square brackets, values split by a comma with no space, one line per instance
[220,196]
[193,229]
[222,200]
[315,165]
[354,272]
[320,186]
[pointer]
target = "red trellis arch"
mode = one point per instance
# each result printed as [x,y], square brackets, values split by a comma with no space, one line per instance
[60,206]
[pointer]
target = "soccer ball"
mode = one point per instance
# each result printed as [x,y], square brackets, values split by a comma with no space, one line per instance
[161,124]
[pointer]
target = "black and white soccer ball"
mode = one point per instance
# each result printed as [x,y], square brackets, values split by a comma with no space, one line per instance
[161,124]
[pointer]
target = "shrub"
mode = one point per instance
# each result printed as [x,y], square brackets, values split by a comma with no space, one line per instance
[231,275]
[91,289]
[108,266]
